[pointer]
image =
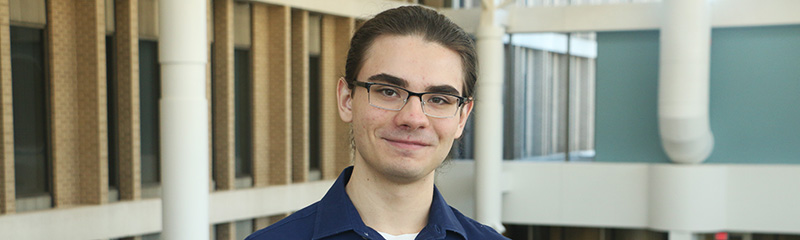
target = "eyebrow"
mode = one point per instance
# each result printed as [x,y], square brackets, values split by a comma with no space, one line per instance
[389,79]
[386,78]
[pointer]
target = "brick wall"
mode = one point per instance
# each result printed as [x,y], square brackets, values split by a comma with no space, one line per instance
[127,76]
[93,125]
[7,188]
[223,99]
[76,52]
[279,91]
[223,106]
[63,102]
[335,147]
[259,65]
[300,91]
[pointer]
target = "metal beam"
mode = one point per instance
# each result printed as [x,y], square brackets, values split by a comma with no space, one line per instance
[630,16]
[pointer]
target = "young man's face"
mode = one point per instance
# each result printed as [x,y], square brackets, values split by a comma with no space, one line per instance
[404,145]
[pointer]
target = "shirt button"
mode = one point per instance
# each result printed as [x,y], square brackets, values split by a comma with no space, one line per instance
[438,229]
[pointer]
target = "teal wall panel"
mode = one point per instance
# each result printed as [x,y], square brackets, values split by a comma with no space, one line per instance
[626,128]
[754,105]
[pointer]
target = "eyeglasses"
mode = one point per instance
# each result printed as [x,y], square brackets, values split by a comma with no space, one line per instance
[393,98]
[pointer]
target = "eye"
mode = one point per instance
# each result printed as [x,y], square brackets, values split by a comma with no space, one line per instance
[388,92]
[440,100]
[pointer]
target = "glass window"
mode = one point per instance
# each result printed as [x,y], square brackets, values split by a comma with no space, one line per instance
[242,101]
[29,84]
[149,94]
[314,110]
[314,101]
[111,102]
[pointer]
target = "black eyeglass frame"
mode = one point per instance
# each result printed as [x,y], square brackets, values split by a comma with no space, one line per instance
[461,100]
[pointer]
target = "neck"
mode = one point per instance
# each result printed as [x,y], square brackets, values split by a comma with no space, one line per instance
[388,206]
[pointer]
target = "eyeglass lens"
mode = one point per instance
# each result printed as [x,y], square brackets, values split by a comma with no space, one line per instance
[394,98]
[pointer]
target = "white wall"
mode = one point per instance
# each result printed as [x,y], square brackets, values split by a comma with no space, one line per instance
[699,198]
[131,218]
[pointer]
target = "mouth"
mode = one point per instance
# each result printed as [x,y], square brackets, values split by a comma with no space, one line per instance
[406,144]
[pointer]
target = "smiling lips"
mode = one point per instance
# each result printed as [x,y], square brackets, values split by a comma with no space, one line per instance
[406,144]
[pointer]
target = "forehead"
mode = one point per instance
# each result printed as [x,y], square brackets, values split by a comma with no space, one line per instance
[420,62]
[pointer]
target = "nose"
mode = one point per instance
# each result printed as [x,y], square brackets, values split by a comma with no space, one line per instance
[411,116]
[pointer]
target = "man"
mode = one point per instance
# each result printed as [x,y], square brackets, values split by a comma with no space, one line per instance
[407,92]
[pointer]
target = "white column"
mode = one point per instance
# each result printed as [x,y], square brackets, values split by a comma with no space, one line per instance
[489,121]
[184,119]
[683,86]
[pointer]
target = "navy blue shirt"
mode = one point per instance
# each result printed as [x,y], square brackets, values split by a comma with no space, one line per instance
[334,217]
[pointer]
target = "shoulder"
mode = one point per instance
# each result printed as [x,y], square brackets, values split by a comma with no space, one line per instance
[476,230]
[299,225]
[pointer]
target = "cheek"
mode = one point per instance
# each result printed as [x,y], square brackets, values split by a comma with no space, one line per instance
[447,130]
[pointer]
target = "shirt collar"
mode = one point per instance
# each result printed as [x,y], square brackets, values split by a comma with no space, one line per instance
[336,214]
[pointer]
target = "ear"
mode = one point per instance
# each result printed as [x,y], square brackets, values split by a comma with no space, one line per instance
[463,115]
[344,100]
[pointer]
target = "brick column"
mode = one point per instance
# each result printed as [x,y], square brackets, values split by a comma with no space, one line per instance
[209,77]
[260,100]
[336,152]
[279,91]
[127,66]
[7,188]
[225,231]
[300,91]
[93,124]
[223,106]
[224,174]
[62,68]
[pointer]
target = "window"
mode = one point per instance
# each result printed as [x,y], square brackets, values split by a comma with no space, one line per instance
[314,110]
[549,99]
[242,96]
[149,95]
[314,101]
[242,101]
[111,103]
[29,84]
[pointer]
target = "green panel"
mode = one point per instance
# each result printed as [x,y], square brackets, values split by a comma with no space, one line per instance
[626,127]
[755,93]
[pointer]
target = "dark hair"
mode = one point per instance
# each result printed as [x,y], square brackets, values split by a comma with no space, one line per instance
[418,21]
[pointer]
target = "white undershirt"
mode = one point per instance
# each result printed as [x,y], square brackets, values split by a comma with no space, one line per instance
[409,236]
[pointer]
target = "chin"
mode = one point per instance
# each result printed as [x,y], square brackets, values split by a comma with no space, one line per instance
[408,169]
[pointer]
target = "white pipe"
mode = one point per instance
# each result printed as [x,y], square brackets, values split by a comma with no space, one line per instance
[489,121]
[684,81]
[184,119]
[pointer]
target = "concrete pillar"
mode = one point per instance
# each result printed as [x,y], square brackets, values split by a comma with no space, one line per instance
[300,96]
[7,188]
[126,43]
[184,112]
[335,148]
[488,119]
